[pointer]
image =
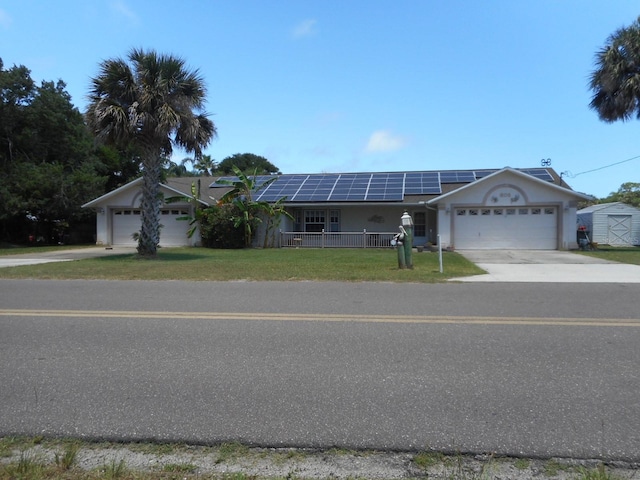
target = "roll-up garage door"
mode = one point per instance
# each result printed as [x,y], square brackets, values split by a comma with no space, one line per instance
[516,228]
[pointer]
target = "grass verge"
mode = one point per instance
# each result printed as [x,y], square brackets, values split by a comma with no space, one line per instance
[40,459]
[203,264]
[629,255]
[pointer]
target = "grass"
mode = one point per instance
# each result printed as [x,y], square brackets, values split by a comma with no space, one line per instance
[203,264]
[27,459]
[629,255]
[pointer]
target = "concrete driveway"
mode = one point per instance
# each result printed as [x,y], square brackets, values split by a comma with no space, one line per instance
[36,258]
[547,266]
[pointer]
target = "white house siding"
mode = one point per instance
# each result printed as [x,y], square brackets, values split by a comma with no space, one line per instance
[615,224]
[522,214]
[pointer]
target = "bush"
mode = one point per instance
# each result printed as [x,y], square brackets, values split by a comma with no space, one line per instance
[217,229]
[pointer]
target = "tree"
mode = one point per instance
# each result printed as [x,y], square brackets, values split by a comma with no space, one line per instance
[616,80]
[629,193]
[49,165]
[204,165]
[248,163]
[150,103]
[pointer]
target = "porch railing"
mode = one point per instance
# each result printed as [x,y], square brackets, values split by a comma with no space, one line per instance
[324,239]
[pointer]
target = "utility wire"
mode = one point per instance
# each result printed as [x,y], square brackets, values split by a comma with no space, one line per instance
[606,166]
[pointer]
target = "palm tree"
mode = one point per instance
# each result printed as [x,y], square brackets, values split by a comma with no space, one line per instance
[150,103]
[616,80]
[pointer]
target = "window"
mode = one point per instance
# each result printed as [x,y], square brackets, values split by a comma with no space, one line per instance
[523,211]
[549,211]
[334,219]
[497,211]
[419,224]
[461,212]
[511,211]
[486,211]
[473,211]
[535,211]
[314,220]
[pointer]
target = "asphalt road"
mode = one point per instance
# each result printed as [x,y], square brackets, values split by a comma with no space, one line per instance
[538,370]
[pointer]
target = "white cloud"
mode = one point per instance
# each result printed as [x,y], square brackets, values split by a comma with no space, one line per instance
[123,9]
[5,19]
[384,141]
[307,28]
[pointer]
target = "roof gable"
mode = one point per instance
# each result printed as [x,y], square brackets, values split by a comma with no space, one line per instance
[505,172]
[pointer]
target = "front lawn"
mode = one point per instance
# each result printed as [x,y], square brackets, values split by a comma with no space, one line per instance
[616,254]
[351,265]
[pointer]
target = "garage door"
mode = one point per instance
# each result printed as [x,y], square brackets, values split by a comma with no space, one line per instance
[522,228]
[126,221]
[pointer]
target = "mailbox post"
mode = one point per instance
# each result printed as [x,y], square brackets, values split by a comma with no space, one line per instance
[407,228]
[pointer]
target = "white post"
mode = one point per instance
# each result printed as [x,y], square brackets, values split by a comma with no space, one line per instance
[440,252]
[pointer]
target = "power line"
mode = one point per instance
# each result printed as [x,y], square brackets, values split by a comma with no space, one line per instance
[606,166]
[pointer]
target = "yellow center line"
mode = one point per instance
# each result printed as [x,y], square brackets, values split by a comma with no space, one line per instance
[325,317]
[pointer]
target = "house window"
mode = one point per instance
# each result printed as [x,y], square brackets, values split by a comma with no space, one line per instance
[314,220]
[419,224]
[473,211]
[511,211]
[334,220]
[549,211]
[497,211]
[461,212]
[485,211]
[523,211]
[535,211]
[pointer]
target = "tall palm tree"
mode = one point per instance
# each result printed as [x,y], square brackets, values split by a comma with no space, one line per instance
[150,103]
[616,80]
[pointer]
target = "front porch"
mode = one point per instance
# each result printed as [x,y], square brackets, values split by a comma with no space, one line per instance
[324,239]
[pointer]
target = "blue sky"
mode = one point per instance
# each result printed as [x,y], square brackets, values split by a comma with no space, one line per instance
[355,85]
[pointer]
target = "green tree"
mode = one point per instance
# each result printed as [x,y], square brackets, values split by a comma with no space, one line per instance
[629,193]
[248,163]
[152,102]
[615,82]
[49,166]
[204,165]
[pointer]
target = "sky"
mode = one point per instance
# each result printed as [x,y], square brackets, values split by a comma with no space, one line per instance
[333,86]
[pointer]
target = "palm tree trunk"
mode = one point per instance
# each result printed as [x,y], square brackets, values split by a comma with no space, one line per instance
[150,228]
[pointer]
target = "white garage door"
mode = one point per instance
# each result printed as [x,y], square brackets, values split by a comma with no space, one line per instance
[520,228]
[126,221]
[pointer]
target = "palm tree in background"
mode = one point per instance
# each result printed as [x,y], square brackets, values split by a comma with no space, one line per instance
[616,80]
[204,165]
[150,103]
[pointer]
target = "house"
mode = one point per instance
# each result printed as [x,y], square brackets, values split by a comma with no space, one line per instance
[615,224]
[118,213]
[462,209]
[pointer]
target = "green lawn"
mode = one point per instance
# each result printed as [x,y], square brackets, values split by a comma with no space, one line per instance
[351,265]
[616,254]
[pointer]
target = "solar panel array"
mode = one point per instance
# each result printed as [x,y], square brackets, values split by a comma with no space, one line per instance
[368,187]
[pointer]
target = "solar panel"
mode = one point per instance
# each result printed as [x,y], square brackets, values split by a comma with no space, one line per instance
[483,173]
[316,188]
[422,183]
[286,186]
[541,173]
[371,187]
[461,176]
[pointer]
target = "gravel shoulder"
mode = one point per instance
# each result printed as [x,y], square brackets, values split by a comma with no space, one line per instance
[264,463]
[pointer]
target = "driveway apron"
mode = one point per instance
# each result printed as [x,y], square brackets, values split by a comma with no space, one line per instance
[548,266]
